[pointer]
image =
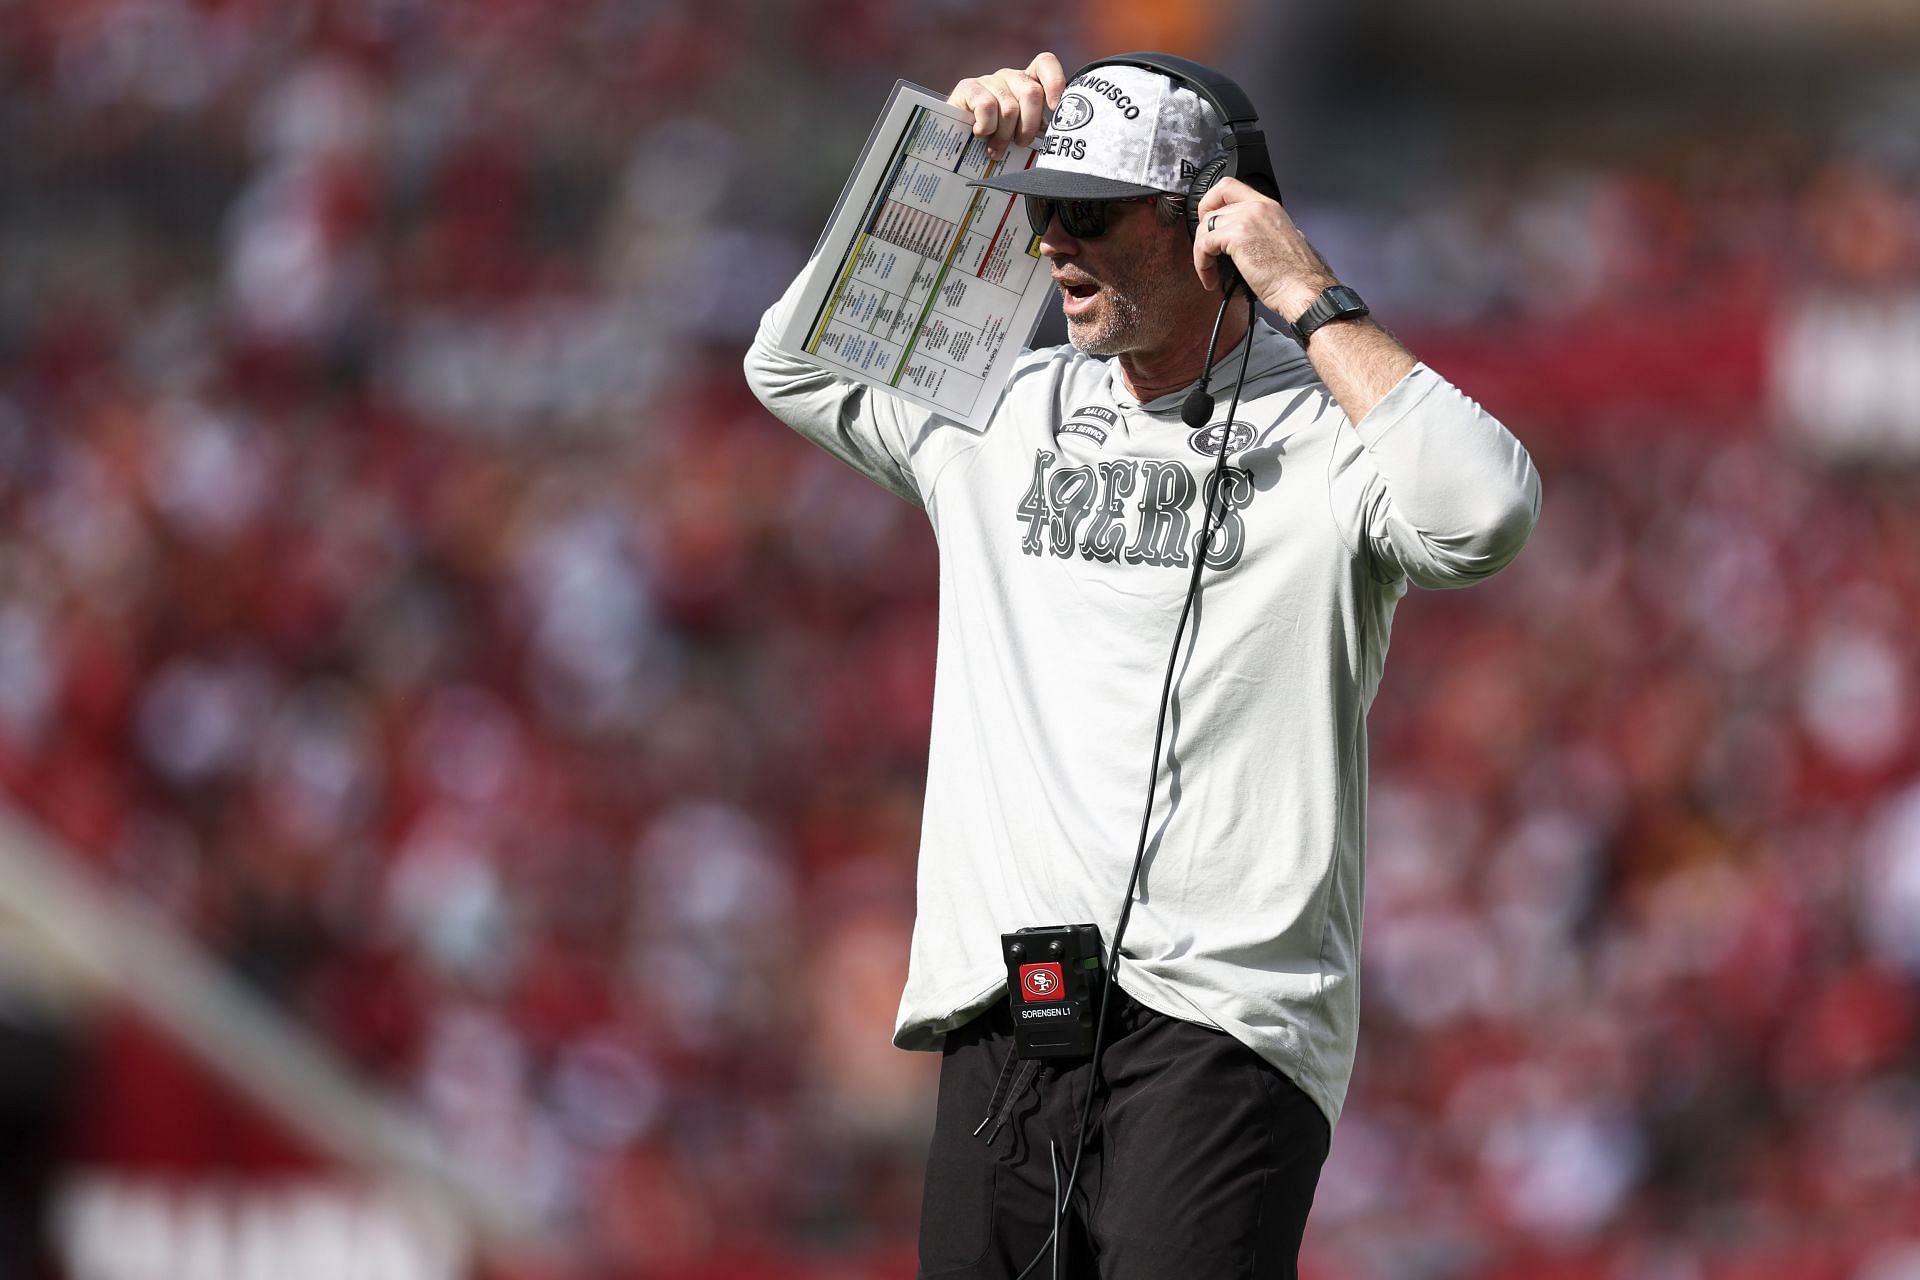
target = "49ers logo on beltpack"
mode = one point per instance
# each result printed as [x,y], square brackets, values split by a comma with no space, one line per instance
[1043,982]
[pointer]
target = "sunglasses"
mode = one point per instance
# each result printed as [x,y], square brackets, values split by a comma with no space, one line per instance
[1081,219]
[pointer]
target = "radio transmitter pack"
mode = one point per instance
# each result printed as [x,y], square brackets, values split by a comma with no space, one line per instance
[1053,985]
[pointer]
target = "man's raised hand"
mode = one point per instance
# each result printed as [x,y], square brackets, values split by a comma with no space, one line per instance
[1011,106]
[1282,269]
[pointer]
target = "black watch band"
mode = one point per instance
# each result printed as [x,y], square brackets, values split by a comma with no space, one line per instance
[1336,303]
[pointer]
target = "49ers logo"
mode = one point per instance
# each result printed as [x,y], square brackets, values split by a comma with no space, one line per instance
[1043,982]
[1139,512]
[1074,112]
[1206,440]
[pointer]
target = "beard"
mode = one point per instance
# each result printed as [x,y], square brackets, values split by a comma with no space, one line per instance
[1132,309]
[1113,328]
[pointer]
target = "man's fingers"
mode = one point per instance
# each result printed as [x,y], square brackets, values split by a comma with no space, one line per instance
[1209,241]
[1046,69]
[1032,99]
[1225,192]
[1011,105]
[1009,123]
[972,95]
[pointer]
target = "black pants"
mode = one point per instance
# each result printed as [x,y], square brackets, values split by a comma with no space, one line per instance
[1202,1160]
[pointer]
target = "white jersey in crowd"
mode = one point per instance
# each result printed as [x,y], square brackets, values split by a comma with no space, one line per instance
[1065,530]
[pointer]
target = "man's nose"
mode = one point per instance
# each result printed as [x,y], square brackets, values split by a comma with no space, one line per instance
[1055,242]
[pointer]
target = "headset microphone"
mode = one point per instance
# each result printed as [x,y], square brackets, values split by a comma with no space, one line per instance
[1197,411]
[1198,408]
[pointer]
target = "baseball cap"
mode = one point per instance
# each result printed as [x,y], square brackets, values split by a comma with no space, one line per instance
[1119,131]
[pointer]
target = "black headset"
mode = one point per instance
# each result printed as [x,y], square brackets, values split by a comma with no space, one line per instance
[1245,156]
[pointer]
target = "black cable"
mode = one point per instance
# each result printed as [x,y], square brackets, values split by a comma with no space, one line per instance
[1216,490]
[1198,406]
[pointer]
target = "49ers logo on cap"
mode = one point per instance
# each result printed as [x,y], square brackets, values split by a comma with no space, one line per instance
[1074,111]
[1043,982]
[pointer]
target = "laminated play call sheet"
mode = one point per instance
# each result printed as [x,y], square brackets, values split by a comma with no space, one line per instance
[923,286]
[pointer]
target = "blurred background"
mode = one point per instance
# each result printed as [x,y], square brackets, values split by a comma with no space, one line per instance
[462,758]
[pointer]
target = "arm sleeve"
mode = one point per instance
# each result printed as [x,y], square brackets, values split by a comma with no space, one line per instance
[876,435]
[1453,495]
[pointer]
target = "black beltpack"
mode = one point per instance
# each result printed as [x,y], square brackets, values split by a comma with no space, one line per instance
[1053,985]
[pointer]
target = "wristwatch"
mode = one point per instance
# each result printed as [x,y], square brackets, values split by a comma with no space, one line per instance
[1336,303]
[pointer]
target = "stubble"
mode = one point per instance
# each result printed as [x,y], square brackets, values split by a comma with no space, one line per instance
[1134,293]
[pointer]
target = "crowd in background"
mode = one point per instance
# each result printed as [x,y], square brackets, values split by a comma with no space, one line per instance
[401,592]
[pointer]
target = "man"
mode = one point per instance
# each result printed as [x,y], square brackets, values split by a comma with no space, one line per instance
[1066,531]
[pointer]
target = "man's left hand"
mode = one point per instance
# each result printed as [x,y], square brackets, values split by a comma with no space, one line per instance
[1278,264]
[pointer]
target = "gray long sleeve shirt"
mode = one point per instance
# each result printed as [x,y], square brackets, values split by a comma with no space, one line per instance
[1065,531]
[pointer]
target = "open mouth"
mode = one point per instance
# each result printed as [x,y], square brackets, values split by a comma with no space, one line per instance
[1075,295]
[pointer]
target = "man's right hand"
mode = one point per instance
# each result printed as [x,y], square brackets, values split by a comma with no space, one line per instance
[1011,106]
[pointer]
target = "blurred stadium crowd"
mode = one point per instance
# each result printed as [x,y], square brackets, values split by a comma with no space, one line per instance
[400,591]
